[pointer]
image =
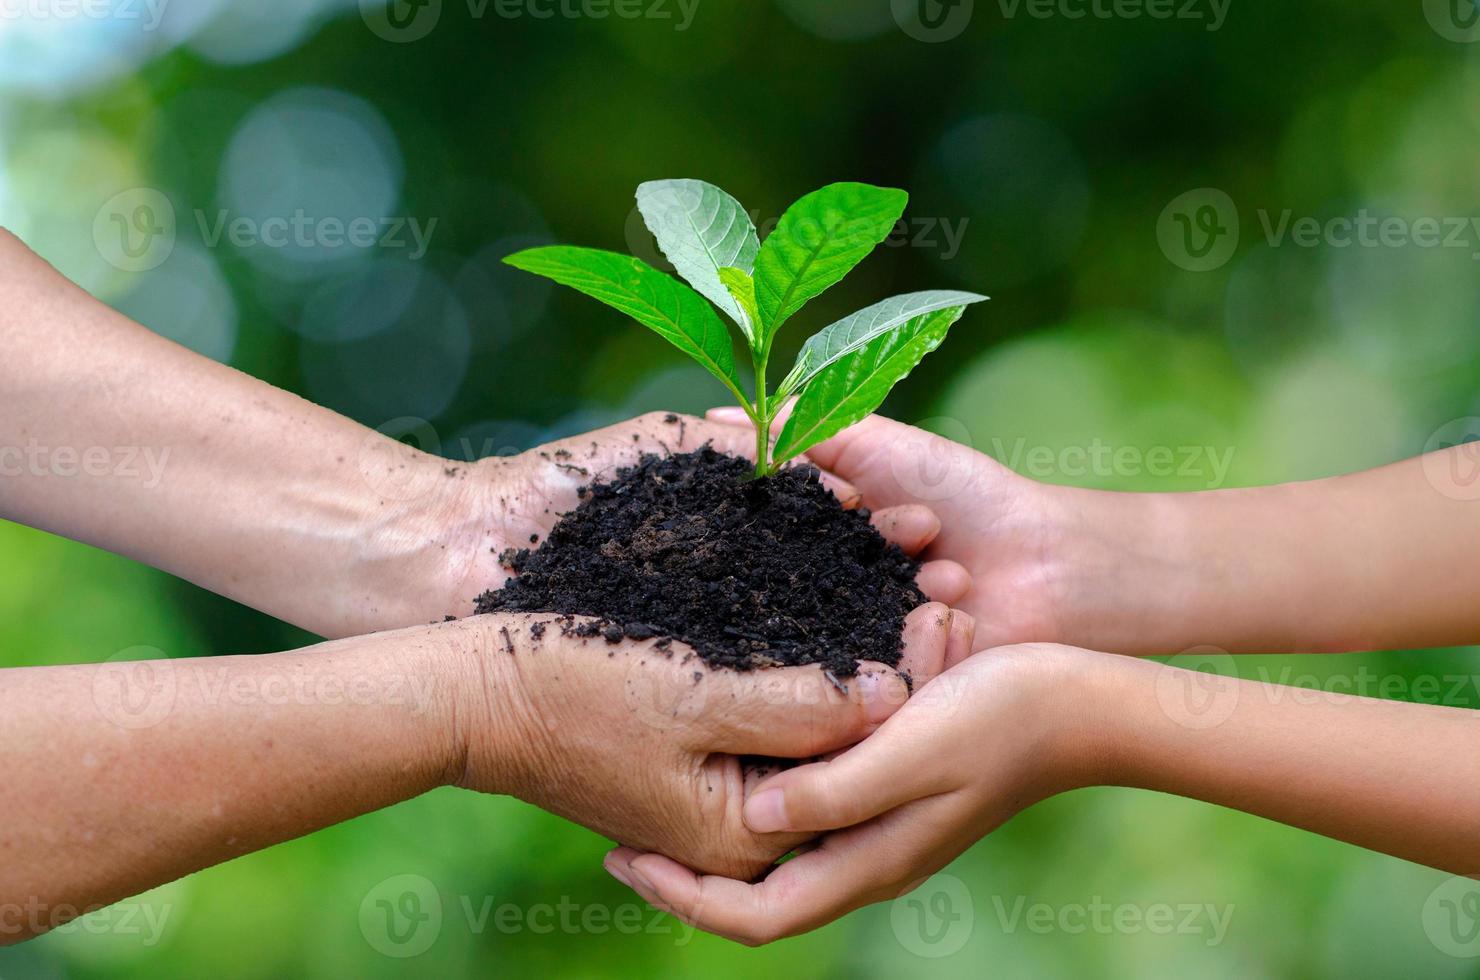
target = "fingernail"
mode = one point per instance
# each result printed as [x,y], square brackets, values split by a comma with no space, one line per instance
[883,693]
[729,415]
[615,870]
[765,812]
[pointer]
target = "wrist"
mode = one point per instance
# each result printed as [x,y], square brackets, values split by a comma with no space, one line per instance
[422,528]
[1121,572]
[487,749]
[1076,706]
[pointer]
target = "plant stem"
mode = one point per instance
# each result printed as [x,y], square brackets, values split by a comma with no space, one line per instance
[762,415]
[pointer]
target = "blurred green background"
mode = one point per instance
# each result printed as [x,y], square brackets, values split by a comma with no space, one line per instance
[1049,158]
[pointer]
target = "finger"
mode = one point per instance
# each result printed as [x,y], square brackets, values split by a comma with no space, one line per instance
[797,712]
[963,635]
[927,632]
[943,581]
[846,871]
[911,526]
[887,460]
[886,770]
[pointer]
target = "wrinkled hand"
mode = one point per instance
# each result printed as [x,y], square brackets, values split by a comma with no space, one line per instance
[642,743]
[479,510]
[979,743]
[1001,527]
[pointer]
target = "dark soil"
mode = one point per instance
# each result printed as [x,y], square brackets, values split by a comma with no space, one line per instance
[750,573]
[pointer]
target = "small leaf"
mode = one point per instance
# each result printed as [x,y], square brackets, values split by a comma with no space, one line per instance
[701,230]
[818,240]
[655,300]
[856,384]
[742,287]
[852,332]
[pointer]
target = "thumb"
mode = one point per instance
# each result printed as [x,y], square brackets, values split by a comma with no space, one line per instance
[797,712]
[886,770]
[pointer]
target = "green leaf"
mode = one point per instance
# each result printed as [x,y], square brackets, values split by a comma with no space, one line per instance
[818,240]
[656,301]
[742,287]
[855,385]
[701,230]
[852,332]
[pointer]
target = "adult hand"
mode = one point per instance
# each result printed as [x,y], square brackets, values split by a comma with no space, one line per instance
[115,436]
[643,743]
[127,775]
[513,502]
[985,739]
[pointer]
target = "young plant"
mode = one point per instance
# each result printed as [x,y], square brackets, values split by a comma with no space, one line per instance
[841,374]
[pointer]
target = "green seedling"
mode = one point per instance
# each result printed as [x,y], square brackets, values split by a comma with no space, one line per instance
[841,374]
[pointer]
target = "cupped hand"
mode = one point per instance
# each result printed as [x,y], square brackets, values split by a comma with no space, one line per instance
[475,512]
[1002,528]
[980,742]
[642,742]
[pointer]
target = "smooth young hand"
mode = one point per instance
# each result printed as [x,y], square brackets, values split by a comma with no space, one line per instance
[1011,726]
[1370,560]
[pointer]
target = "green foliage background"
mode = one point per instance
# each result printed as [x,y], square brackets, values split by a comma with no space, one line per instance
[1057,143]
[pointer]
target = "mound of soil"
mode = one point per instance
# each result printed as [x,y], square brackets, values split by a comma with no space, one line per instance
[750,573]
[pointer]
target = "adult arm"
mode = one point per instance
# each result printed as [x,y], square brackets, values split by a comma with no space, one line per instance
[121,776]
[115,436]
